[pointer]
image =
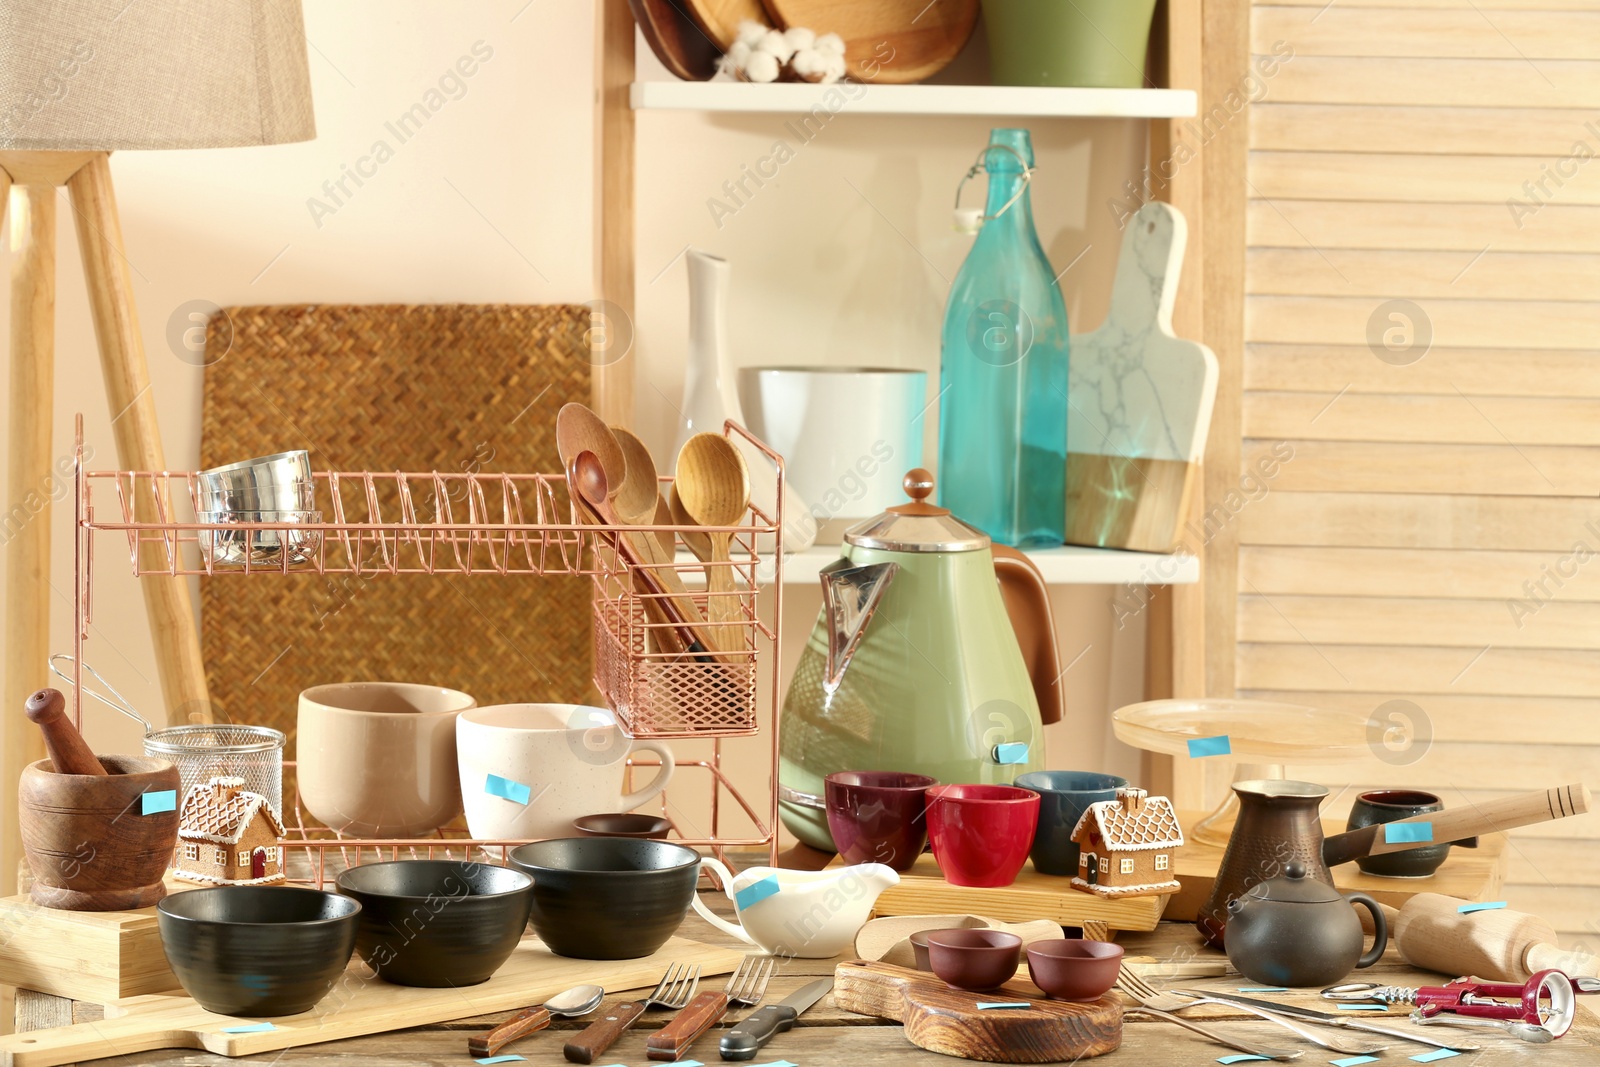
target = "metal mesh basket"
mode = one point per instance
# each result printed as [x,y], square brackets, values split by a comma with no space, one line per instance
[205,751]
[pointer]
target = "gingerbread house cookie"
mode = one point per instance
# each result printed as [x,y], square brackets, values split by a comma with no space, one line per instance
[1126,846]
[228,835]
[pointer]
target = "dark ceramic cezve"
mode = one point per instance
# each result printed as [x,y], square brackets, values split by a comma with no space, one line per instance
[623,824]
[878,816]
[437,922]
[1069,969]
[1063,798]
[1387,805]
[607,898]
[257,950]
[971,959]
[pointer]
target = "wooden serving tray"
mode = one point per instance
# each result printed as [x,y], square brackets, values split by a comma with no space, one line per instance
[923,891]
[357,1005]
[949,1021]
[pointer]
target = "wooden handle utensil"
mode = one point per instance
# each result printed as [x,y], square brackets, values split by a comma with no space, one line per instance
[1457,824]
[674,1039]
[602,1033]
[69,753]
[519,1025]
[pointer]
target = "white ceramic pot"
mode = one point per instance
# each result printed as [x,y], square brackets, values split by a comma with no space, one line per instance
[847,434]
[528,770]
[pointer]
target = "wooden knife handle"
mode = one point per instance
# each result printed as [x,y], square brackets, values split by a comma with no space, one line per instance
[673,1040]
[602,1033]
[69,753]
[519,1025]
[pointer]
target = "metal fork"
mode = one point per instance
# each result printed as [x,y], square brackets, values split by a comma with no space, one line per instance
[746,986]
[675,990]
[1147,995]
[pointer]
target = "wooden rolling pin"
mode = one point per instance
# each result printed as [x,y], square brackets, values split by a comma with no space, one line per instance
[1458,824]
[69,753]
[1500,945]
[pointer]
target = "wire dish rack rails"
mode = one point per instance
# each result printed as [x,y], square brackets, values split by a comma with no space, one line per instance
[396,522]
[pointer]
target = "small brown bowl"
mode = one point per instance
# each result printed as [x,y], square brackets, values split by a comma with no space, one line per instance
[919,948]
[1071,969]
[975,960]
[623,824]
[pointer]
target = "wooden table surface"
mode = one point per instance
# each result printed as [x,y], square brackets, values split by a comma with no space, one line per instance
[826,1036]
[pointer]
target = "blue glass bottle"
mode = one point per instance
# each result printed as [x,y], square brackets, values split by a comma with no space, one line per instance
[1003,369]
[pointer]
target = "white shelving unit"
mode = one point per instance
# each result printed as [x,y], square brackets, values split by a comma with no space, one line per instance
[862,99]
[1064,565]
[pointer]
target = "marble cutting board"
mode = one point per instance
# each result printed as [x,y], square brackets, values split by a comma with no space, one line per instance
[1141,401]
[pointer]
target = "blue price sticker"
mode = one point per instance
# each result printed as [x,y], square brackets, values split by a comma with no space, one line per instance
[515,792]
[756,892]
[1407,832]
[1352,1061]
[987,1004]
[157,801]
[1488,905]
[1011,752]
[1436,1054]
[1263,989]
[1363,1007]
[1200,747]
[253,1028]
[1243,1057]
[500,1059]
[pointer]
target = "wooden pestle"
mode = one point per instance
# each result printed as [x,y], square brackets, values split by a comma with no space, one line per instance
[68,752]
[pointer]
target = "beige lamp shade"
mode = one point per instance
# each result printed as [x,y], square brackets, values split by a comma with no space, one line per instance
[101,75]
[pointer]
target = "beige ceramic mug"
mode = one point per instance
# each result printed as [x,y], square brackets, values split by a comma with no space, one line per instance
[378,759]
[528,770]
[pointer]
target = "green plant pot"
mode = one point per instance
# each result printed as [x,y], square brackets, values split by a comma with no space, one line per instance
[1097,43]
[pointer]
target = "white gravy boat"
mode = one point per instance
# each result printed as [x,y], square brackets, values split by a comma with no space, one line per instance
[809,914]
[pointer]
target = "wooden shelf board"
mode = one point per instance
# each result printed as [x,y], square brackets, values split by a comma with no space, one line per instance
[1065,565]
[860,99]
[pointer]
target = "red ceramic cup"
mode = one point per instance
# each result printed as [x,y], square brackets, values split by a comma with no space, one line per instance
[877,816]
[981,833]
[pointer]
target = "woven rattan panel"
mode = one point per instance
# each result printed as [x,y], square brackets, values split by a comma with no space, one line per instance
[393,387]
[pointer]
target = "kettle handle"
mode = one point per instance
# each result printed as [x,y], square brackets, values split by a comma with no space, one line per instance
[1027,600]
[1380,928]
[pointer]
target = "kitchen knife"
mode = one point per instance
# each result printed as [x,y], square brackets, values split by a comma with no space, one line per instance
[1331,1018]
[746,1039]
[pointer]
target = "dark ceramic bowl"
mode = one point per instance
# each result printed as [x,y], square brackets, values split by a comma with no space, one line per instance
[878,816]
[977,960]
[257,950]
[1069,969]
[437,922]
[919,949]
[607,898]
[623,824]
[1387,805]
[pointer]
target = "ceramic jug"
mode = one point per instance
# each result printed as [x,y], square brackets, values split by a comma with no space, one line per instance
[934,654]
[1297,931]
[810,914]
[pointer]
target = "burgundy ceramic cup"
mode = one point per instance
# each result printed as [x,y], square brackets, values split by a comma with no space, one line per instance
[975,960]
[1070,969]
[981,834]
[878,816]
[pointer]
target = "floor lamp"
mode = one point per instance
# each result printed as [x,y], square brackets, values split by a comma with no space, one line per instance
[80,79]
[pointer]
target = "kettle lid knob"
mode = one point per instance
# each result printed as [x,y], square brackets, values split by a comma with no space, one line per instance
[918,484]
[1295,870]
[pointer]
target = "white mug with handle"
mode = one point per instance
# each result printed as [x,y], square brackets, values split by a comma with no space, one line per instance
[528,770]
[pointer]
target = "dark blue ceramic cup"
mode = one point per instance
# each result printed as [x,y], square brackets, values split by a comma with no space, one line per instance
[1063,798]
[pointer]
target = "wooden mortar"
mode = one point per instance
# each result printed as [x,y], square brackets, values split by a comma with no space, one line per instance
[86,840]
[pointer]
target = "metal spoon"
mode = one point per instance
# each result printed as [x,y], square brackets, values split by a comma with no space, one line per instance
[579,1000]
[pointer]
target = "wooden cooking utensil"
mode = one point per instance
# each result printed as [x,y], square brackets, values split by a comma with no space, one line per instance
[1458,824]
[580,430]
[69,753]
[1500,945]
[635,502]
[683,47]
[886,41]
[712,488]
[720,18]
[941,1019]
[587,478]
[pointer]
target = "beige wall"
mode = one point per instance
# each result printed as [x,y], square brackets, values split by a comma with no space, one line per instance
[491,201]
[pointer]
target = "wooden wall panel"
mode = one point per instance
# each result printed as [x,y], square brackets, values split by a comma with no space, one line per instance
[1435,537]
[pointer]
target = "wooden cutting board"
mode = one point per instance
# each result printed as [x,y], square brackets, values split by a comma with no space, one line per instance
[1141,401]
[949,1021]
[357,1005]
[887,41]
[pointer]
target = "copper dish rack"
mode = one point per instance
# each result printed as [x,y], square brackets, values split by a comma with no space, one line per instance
[378,522]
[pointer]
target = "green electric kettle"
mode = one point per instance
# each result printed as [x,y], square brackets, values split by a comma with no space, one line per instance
[934,654]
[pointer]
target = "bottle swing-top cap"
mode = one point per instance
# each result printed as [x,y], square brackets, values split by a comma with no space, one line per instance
[969,219]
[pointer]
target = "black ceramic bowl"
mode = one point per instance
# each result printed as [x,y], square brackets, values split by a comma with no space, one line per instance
[257,950]
[437,922]
[607,898]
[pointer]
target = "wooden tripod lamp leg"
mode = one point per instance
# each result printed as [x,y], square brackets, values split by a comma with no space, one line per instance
[116,326]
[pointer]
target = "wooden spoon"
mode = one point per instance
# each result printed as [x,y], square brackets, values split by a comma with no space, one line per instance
[639,500]
[587,478]
[580,430]
[712,488]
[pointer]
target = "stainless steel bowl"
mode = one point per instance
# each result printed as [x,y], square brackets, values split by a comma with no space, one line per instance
[264,472]
[299,496]
[262,548]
